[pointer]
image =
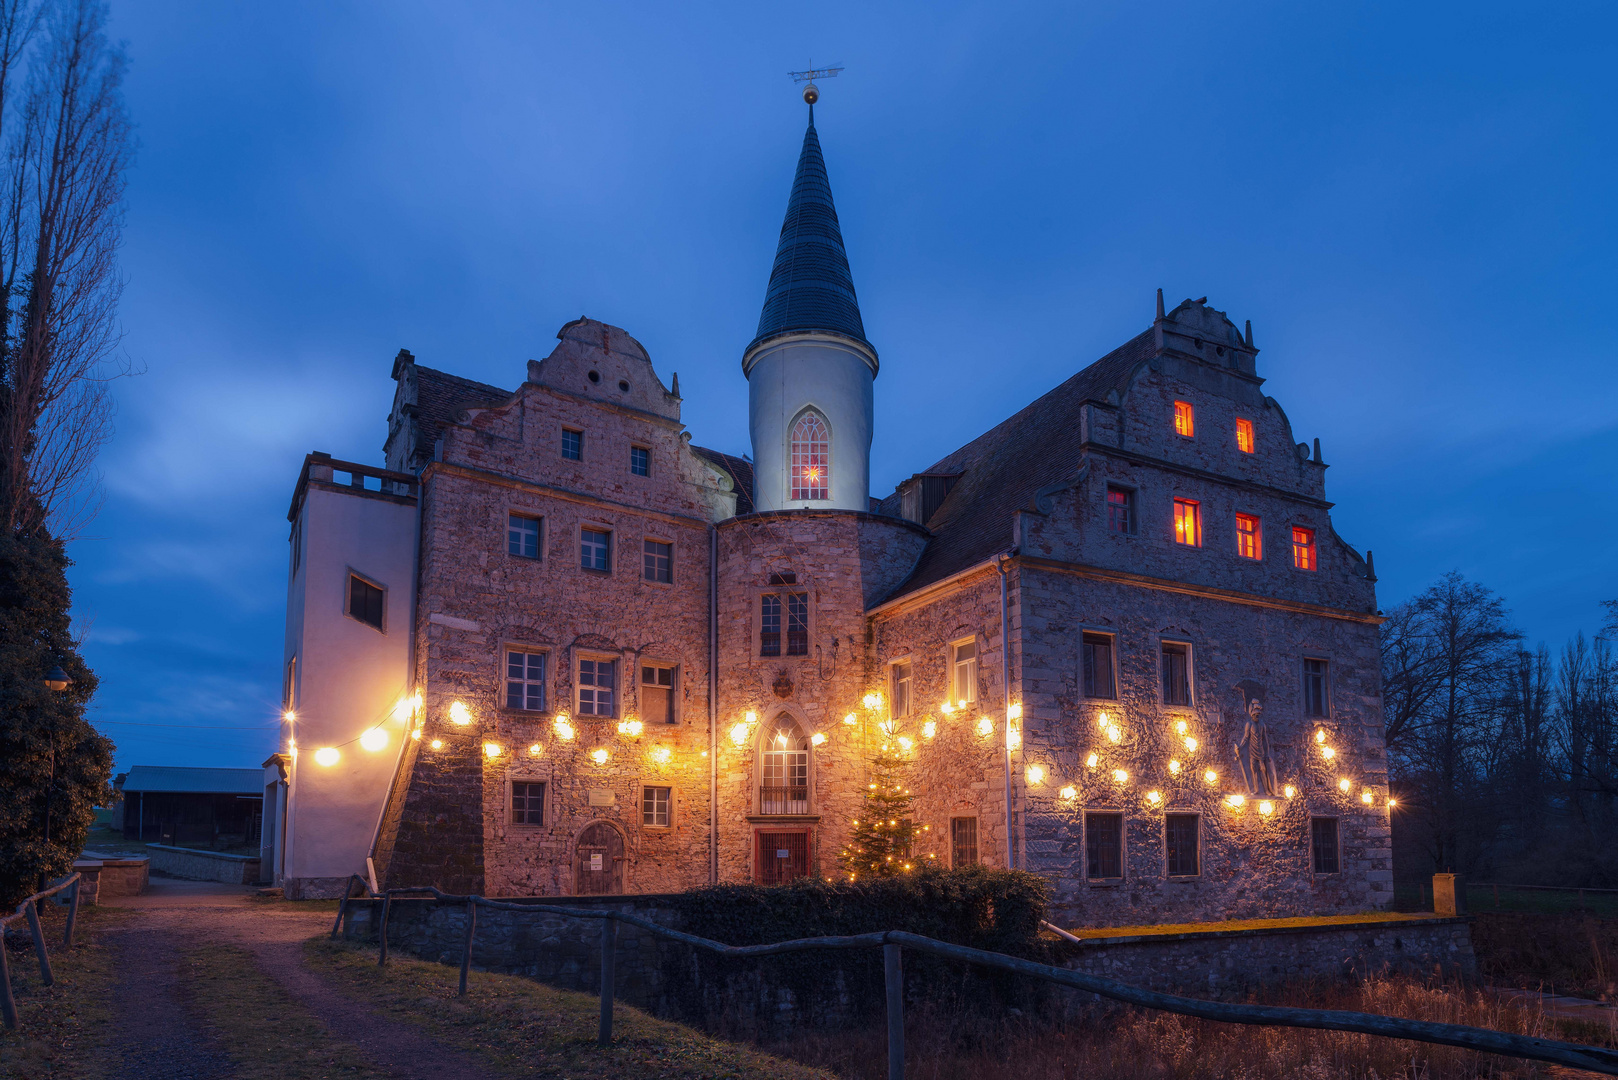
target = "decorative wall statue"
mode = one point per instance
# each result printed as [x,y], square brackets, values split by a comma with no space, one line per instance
[1255,759]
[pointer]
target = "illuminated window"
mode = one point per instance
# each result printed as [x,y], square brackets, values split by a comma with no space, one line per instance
[1180,838]
[811,458]
[1323,834]
[1244,436]
[1104,846]
[1120,510]
[1249,537]
[522,536]
[573,445]
[598,683]
[1185,419]
[525,680]
[901,689]
[1096,654]
[1176,673]
[965,658]
[1315,687]
[785,761]
[1187,522]
[1303,548]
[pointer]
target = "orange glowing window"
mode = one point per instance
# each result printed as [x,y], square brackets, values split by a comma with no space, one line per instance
[1303,548]
[1185,419]
[1249,537]
[1187,522]
[1244,436]
[811,457]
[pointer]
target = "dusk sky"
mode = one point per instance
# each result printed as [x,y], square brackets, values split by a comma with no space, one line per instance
[1412,203]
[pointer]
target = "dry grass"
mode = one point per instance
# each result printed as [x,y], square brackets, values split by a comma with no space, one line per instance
[61,1026]
[1573,954]
[1106,1043]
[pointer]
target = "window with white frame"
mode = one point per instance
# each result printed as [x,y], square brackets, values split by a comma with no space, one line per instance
[522,536]
[964,663]
[595,550]
[656,804]
[640,461]
[659,561]
[901,689]
[785,768]
[811,457]
[598,685]
[525,679]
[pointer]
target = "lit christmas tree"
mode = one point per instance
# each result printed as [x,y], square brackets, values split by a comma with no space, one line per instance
[883,835]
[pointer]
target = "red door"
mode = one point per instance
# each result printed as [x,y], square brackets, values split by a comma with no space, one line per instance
[781,857]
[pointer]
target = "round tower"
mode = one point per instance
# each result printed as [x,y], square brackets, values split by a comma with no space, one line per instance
[810,370]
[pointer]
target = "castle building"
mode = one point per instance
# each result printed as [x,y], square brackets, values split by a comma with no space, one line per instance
[554,647]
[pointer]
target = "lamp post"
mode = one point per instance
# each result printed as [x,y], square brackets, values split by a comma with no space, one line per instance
[58,680]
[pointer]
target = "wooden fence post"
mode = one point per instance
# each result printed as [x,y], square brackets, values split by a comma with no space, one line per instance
[72,915]
[609,939]
[893,973]
[382,930]
[8,1005]
[45,975]
[342,909]
[471,928]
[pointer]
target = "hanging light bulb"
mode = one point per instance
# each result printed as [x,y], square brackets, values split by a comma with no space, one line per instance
[536,750]
[1366,797]
[906,742]
[1174,766]
[1320,735]
[1289,791]
[1036,774]
[817,739]
[437,744]
[1093,760]
[1327,752]
[1069,792]
[1343,785]
[872,701]
[492,750]
[985,726]
[1154,797]
[929,729]
[849,720]
[459,713]
[631,728]
[1210,776]
[1181,727]
[327,756]
[662,754]
[1014,712]
[375,739]
[1119,775]
[1266,808]
[1190,744]
[738,734]
[599,756]
[1236,801]
[564,729]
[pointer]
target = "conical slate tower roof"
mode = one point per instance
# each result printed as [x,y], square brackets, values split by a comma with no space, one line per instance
[810,286]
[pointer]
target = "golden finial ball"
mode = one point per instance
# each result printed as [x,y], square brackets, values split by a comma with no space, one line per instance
[811,93]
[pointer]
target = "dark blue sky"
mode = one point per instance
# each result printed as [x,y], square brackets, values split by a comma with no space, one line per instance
[1412,203]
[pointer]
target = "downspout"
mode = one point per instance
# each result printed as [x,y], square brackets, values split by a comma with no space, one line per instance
[713,705]
[1005,683]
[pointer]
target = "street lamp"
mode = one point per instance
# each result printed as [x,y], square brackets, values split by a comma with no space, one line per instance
[57,679]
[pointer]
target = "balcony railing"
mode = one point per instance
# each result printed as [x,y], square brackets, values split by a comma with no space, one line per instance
[783,800]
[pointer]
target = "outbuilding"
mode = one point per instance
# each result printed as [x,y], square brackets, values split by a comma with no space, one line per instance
[172,804]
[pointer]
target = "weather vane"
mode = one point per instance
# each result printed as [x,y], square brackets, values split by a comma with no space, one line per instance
[811,93]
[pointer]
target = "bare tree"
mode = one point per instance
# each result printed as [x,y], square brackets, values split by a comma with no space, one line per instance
[68,145]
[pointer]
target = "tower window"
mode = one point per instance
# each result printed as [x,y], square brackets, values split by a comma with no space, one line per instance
[364,601]
[572,445]
[640,461]
[769,634]
[527,803]
[1120,510]
[1303,548]
[1244,436]
[1249,537]
[657,693]
[1096,651]
[966,670]
[1187,522]
[963,842]
[654,806]
[811,458]
[1185,419]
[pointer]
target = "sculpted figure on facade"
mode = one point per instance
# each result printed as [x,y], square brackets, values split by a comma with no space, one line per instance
[1255,757]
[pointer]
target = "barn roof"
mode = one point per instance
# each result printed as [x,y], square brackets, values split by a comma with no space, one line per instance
[179,778]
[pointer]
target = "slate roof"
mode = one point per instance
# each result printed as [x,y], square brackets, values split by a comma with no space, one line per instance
[741,474]
[1002,469]
[176,778]
[810,285]
[440,397]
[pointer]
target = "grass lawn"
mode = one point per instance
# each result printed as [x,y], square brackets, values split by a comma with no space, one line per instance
[61,1026]
[524,1028]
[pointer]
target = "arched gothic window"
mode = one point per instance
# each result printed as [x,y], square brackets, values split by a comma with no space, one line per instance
[784,768]
[811,457]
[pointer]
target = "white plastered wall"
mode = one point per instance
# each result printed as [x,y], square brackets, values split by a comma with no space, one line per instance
[811,372]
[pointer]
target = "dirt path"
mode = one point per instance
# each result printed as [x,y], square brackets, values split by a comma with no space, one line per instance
[161,1036]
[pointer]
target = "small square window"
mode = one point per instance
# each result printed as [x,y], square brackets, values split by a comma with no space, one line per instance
[966,671]
[1323,836]
[572,444]
[527,803]
[598,683]
[659,560]
[1303,548]
[797,624]
[364,601]
[655,803]
[1249,537]
[1180,838]
[657,694]
[640,461]
[1316,688]
[901,689]
[963,842]
[522,536]
[1121,510]
[1104,846]
[1185,419]
[1096,650]
[1187,522]
[1176,673]
[1244,436]
[525,680]
[595,550]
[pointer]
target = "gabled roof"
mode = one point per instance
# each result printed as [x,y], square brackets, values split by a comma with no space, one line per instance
[741,475]
[441,397]
[810,285]
[177,778]
[1002,469]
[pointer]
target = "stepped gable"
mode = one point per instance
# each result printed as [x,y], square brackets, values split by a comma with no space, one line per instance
[1002,469]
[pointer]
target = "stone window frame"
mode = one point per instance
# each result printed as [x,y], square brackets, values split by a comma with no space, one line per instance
[1132,506]
[506,645]
[977,837]
[1196,516]
[1190,672]
[675,692]
[782,591]
[1123,845]
[674,804]
[759,749]
[348,599]
[1202,843]
[1337,827]
[561,442]
[908,661]
[618,702]
[1328,713]
[645,449]
[674,546]
[531,515]
[811,835]
[612,543]
[1100,631]
[528,774]
[976,639]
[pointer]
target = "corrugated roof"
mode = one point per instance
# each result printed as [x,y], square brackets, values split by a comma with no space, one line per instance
[810,285]
[179,778]
[741,475]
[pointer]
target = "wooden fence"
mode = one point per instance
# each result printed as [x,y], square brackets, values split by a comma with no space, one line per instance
[893,942]
[29,909]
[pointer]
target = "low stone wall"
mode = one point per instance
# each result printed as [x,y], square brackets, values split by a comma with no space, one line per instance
[196,865]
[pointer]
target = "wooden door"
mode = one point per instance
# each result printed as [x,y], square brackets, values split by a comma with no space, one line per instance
[598,867]
[782,857]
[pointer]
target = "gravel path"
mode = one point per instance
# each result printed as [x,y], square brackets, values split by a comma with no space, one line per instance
[161,1036]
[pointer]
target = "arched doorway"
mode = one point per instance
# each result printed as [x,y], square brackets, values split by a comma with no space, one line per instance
[598,861]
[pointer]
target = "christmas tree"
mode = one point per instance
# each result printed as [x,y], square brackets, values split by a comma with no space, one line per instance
[880,841]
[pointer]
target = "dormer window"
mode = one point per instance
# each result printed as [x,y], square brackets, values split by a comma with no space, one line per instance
[1185,419]
[1244,436]
[811,458]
